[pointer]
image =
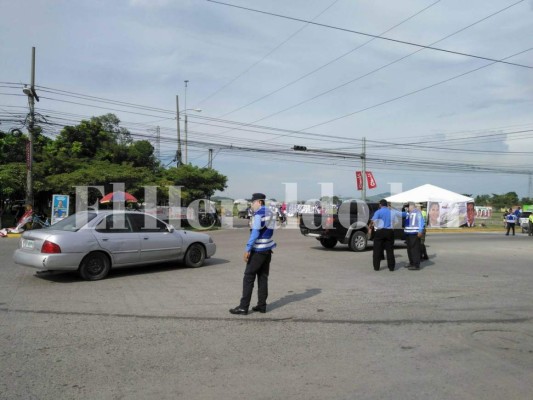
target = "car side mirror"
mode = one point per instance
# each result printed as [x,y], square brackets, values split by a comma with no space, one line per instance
[170,228]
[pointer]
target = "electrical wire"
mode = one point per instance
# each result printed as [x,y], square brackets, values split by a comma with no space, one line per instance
[265,56]
[375,36]
[327,64]
[372,72]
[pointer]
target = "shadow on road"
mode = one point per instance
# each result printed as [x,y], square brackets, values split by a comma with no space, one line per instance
[291,298]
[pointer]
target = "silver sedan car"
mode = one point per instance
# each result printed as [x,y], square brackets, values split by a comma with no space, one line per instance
[93,242]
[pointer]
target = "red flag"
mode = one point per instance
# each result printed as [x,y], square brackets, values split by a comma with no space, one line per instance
[370,179]
[359,179]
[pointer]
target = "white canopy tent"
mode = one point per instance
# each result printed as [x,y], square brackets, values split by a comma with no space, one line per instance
[425,193]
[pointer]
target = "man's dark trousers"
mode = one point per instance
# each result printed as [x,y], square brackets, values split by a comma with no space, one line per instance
[413,250]
[510,225]
[258,265]
[384,239]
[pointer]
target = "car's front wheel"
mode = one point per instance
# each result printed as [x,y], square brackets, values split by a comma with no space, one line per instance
[195,255]
[95,266]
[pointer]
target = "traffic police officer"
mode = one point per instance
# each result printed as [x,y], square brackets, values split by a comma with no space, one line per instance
[414,228]
[382,221]
[257,257]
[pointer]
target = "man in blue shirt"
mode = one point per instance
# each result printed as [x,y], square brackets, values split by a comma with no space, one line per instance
[382,222]
[414,230]
[511,219]
[257,257]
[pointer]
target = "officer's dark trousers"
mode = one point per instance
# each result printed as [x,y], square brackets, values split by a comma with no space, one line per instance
[509,227]
[258,265]
[384,239]
[530,229]
[413,250]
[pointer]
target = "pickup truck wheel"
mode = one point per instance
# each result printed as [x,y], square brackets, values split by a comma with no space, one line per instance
[328,243]
[358,241]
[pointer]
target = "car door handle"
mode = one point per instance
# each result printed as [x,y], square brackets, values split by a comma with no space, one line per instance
[146,238]
[105,239]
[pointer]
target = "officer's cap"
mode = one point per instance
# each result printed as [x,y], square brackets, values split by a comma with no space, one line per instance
[258,196]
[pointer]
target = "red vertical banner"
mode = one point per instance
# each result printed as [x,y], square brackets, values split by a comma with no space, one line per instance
[370,180]
[359,180]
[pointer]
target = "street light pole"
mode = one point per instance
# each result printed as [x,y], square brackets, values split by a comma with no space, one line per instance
[186,143]
[186,129]
[185,123]
[178,152]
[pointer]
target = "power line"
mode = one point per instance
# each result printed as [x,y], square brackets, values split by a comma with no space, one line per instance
[328,63]
[416,91]
[372,72]
[375,36]
[266,55]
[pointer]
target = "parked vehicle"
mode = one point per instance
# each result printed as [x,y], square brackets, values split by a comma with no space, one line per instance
[347,225]
[246,214]
[93,242]
[524,221]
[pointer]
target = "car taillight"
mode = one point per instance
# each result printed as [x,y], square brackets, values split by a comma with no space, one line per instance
[329,222]
[50,248]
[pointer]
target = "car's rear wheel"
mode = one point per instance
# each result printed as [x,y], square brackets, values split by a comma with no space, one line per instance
[95,266]
[328,243]
[195,255]
[358,241]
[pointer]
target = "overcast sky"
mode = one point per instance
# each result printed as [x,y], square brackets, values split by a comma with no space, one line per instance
[142,51]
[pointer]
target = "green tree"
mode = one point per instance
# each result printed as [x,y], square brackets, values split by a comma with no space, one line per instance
[196,182]
[141,154]
[482,200]
[506,200]
[13,147]
[96,152]
[13,181]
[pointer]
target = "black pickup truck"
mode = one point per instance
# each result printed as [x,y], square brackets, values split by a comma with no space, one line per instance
[347,225]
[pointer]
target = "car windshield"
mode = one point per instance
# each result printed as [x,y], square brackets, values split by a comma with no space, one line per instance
[74,222]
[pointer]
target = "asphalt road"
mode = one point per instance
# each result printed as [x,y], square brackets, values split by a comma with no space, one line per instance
[461,328]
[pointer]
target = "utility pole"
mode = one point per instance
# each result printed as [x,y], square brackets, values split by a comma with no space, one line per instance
[210,159]
[157,141]
[363,162]
[178,152]
[32,96]
[529,191]
[185,112]
[186,142]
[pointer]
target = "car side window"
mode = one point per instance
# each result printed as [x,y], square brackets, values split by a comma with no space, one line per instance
[147,223]
[114,223]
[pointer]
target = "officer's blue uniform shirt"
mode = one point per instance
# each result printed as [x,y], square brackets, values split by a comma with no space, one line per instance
[262,231]
[414,222]
[511,219]
[382,218]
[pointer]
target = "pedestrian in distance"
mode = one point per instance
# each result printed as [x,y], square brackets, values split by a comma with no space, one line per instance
[382,223]
[414,228]
[257,257]
[511,222]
